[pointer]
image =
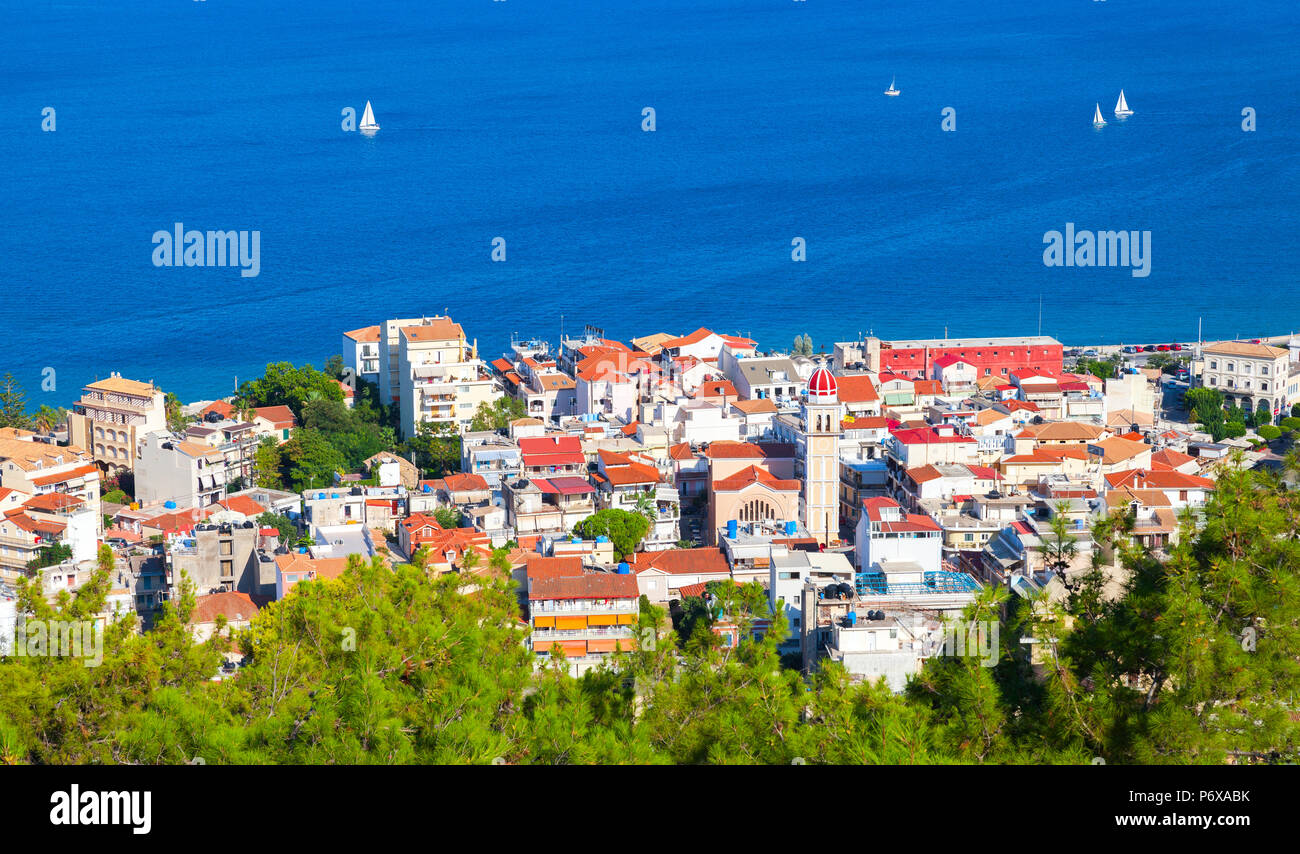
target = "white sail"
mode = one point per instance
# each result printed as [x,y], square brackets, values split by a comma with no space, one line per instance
[891,90]
[1121,108]
[1096,117]
[368,119]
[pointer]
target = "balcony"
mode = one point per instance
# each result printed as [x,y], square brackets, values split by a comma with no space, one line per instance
[548,635]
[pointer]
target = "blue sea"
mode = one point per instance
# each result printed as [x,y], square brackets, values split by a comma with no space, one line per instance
[522,119]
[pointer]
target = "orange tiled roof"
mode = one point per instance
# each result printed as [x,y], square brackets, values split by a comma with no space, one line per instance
[751,475]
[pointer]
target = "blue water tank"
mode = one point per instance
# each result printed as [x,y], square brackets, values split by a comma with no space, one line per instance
[852,618]
[623,569]
[576,540]
[791,527]
[170,505]
[302,550]
[602,539]
[733,528]
[320,495]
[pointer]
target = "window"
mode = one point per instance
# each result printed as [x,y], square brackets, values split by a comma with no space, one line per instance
[226,547]
[1263,369]
[1214,366]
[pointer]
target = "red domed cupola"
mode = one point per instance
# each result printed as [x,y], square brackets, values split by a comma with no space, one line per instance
[822,385]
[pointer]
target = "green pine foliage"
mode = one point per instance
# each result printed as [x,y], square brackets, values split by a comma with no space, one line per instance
[1194,661]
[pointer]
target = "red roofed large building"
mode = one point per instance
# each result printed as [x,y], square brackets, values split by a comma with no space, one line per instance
[990,356]
[750,482]
[545,456]
[661,575]
[1182,490]
[586,613]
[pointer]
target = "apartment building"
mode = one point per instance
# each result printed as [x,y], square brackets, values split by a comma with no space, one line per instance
[886,533]
[991,357]
[34,467]
[361,352]
[441,379]
[226,558]
[587,613]
[1252,376]
[112,416]
[191,474]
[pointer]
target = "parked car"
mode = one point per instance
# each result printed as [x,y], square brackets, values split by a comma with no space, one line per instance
[1150,348]
[1163,348]
[1130,349]
[1175,346]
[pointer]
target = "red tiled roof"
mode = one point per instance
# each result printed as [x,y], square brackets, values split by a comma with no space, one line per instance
[1157,479]
[716,388]
[589,585]
[464,482]
[857,389]
[907,522]
[730,450]
[928,387]
[632,474]
[236,607]
[683,561]
[751,475]
[51,502]
[927,436]
[279,416]
[78,471]
[553,567]
[242,504]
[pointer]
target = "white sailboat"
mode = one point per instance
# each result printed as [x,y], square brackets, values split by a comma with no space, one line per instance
[891,90]
[368,122]
[1097,120]
[1121,108]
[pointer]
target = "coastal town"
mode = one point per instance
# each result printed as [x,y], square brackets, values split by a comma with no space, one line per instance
[871,488]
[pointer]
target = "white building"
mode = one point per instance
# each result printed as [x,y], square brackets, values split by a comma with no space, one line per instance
[886,533]
[442,380]
[361,348]
[1252,376]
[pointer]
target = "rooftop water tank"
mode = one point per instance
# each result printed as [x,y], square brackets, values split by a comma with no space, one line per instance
[852,618]
[602,539]
[733,528]
[790,527]
[623,569]
[170,505]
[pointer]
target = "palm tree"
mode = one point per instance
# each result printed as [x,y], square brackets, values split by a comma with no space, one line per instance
[48,417]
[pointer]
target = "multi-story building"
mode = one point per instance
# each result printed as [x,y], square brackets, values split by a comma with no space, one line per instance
[632,482]
[886,533]
[112,416]
[1252,376]
[190,474]
[491,456]
[991,357]
[441,378]
[225,558]
[588,614]
[361,349]
[551,506]
[35,467]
